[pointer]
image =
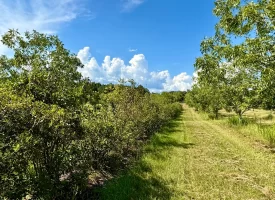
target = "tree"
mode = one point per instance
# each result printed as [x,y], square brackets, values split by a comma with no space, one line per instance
[42,68]
[252,22]
[241,89]
[206,98]
[235,60]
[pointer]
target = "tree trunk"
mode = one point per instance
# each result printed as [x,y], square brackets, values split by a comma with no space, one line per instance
[240,114]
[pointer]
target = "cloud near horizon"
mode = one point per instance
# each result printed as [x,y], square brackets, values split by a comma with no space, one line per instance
[113,69]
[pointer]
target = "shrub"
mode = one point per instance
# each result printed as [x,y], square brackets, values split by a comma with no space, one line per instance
[236,121]
[269,117]
[56,129]
[41,143]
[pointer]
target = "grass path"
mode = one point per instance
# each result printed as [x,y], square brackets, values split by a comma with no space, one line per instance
[195,158]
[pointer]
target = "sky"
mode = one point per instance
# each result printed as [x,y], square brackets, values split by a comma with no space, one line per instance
[154,42]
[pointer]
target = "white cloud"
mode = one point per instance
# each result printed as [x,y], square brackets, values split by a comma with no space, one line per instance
[129,5]
[163,75]
[137,70]
[180,82]
[112,69]
[43,16]
[84,54]
[132,50]
[91,68]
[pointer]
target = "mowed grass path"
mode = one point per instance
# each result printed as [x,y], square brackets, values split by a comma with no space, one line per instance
[195,158]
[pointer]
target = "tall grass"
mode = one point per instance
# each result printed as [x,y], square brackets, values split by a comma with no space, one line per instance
[236,121]
[255,128]
[269,134]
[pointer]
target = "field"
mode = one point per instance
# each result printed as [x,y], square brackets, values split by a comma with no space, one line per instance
[259,115]
[198,158]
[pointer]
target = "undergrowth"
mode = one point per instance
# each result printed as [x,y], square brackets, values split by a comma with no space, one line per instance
[269,134]
[236,121]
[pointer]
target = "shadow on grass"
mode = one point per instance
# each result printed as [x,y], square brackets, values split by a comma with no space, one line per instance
[134,186]
[164,140]
[141,182]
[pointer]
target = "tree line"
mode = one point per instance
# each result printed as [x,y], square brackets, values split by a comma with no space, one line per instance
[58,129]
[236,68]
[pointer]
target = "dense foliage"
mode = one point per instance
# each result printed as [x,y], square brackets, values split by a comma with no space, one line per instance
[57,129]
[236,69]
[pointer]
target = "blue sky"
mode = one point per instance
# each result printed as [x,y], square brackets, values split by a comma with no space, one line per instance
[160,38]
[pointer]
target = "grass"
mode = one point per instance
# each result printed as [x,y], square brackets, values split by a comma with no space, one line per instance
[258,115]
[194,158]
[269,134]
[236,121]
[156,174]
[257,124]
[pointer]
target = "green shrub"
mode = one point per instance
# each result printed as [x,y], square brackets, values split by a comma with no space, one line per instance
[56,128]
[236,121]
[48,149]
[269,117]
[41,143]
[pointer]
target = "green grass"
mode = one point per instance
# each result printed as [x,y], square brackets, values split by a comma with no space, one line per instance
[236,121]
[194,158]
[269,134]
[258,115]
[257,124]
[157,173]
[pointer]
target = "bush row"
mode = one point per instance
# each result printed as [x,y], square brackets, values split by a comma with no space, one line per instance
[47,149]
[57,129]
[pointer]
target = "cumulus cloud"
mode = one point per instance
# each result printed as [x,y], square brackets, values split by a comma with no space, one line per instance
[84,54]
[113,69]
[129,5]
[43,16]
[180,82]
